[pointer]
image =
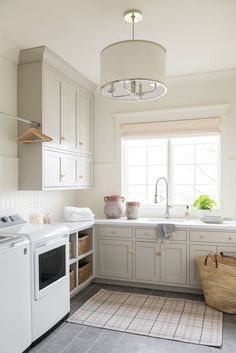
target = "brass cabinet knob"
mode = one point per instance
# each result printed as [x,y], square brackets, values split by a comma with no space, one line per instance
[63,138]
[202,236]
[81,176]
[63,175]
[81,143]
[158,253]
[230,238]
[131,251]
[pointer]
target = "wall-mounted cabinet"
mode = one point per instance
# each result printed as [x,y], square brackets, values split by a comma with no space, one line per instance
[55,95]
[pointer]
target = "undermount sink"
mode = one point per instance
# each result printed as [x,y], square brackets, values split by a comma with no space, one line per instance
[164,220]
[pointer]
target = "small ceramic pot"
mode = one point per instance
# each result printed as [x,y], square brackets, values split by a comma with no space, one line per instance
[114,206]
[132,209]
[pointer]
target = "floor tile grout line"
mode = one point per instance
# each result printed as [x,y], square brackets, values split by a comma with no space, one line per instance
[68,345]
[49,339]
[123,334]
[94,342]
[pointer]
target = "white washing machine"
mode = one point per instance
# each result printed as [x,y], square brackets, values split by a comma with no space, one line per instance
[15,301]
[49,271]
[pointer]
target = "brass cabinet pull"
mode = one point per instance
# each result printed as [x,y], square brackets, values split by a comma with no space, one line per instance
[131,251]
[81,143]
[230,238]
[81,176]
[202,236]
[158,253]
[63,138]
[63,175]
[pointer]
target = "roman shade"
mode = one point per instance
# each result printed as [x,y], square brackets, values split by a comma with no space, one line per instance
[172,128]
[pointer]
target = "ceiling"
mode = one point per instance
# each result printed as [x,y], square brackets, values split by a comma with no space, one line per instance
[199,35]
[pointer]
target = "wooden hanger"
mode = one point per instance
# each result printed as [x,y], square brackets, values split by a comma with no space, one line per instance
[33,135]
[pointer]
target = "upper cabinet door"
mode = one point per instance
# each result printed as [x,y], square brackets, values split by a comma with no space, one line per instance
[85,117]
[68,116]
[52,106]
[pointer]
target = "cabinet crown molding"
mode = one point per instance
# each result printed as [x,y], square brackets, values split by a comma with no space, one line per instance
[47,56]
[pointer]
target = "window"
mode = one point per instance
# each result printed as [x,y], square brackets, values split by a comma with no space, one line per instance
[191,165]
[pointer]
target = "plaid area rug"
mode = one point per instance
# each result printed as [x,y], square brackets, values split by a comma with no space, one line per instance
[175,319]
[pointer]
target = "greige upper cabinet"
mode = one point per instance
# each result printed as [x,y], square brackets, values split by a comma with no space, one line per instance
[52,106]
[85,123]
[60,99]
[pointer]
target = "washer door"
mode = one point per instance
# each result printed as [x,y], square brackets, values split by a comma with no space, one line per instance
[51,266]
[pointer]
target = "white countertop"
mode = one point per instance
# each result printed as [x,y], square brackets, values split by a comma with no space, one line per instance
[76,226]
[179,223]
[150,222]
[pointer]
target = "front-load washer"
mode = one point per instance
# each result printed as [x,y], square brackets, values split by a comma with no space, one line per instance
[49,271]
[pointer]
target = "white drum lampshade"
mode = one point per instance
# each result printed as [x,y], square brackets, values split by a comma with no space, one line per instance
[133,70]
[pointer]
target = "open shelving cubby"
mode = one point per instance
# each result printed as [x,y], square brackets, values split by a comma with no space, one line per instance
[81,258]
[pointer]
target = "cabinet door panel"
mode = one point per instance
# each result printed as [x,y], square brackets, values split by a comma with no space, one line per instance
[148,263]
[115,258]
[52,169]
[85,171]
[52,107]
[197,250]
[69,170]
[68,116]
[85,123]
[173,263]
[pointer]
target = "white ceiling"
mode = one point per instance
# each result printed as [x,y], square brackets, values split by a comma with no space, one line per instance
[199,35]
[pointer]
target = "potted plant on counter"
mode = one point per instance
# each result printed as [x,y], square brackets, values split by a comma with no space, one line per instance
[205,204]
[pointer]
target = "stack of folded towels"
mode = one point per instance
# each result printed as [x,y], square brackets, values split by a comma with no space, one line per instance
[78,214]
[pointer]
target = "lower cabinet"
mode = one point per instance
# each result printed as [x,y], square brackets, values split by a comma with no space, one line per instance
[115,258]
[197,250]
[86,171]
[161,262]
[174,263]
[147,262]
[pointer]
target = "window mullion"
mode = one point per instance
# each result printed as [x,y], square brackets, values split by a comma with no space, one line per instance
[169,168]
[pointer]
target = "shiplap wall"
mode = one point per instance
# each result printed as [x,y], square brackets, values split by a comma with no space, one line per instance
[25,202]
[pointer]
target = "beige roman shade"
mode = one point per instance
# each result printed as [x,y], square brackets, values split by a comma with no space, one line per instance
[172,128]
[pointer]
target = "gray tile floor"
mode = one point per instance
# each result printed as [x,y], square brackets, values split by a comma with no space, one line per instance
[73,338]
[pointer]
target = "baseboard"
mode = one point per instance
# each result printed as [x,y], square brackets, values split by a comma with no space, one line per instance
[149,286]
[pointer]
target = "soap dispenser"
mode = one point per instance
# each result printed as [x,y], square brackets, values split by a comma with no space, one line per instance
[187,213]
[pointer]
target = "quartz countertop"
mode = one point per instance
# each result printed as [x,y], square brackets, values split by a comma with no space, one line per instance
[179,223]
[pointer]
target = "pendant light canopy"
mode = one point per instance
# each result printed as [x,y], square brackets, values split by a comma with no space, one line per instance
[133,70]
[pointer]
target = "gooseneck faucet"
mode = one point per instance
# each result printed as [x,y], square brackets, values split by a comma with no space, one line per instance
[167,196]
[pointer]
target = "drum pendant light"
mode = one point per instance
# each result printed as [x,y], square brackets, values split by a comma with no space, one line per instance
[133,70]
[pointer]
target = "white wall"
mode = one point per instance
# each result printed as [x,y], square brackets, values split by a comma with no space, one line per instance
[20,201]
[188,91]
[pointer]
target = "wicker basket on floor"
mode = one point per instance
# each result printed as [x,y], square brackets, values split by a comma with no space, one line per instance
[218,280]
[85,271]
[83,243]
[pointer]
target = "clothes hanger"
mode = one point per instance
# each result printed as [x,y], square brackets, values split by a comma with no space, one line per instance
[33,135]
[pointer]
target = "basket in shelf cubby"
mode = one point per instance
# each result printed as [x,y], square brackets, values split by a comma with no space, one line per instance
[85,270]
[72,279]
[83,243]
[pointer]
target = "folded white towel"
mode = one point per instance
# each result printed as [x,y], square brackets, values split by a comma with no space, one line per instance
[78,214]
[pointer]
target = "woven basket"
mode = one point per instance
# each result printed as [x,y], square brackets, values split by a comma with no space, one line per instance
[85,271]
[72,280]
[83,244]
[218,280]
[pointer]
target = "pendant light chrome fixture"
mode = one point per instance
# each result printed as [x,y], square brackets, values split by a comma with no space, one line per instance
[133,70]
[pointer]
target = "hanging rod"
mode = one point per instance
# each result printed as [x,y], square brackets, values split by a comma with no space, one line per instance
[33,123]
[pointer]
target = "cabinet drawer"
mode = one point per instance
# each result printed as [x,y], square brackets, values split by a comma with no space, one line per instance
[122,232]
[212,237]
[150,233]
